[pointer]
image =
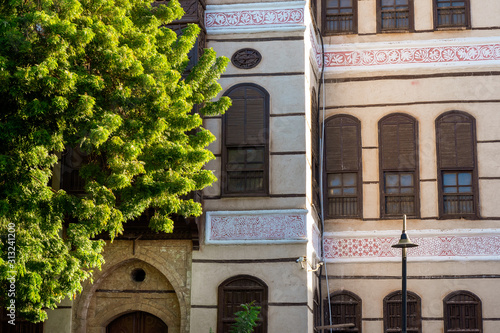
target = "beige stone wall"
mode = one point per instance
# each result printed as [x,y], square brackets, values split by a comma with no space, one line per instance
[165,292]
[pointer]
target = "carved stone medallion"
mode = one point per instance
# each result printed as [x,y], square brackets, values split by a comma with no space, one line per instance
[246,58]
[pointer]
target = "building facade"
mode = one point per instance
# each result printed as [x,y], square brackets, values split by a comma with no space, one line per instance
[346,115]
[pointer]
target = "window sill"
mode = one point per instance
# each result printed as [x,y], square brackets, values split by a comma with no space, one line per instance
[244,195]
[451,28]
[459,217]
[330,33]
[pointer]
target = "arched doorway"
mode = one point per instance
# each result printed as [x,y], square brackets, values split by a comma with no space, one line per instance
[137,322]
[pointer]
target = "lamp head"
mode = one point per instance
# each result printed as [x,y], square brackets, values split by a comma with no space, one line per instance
[404,242]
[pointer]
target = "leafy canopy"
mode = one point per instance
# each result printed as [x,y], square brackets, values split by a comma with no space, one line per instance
[107,77]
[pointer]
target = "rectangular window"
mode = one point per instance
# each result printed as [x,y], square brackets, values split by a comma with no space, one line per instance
[398,151]
[342,194]
[399,193]
[245,169]
[451,14]
[245,154]
[457,173]
[339,16]
[395,15]
[342,186]
[458,197]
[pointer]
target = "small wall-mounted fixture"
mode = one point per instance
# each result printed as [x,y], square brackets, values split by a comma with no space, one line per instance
[304,263]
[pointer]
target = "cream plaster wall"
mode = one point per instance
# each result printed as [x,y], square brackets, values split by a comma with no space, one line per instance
[340,225]
[429,207]
[484,13]
[371,202]
[274,59]
[488,198]
[488,159]
[389,92]
[423,15]
[286,281]
[255,203]
[288,134]
[367,18]
[287,174]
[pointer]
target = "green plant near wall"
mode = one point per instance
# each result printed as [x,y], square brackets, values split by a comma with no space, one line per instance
[246,319]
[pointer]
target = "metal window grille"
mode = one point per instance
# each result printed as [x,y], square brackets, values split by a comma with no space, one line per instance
[339,16]
[451,13]
[394,15]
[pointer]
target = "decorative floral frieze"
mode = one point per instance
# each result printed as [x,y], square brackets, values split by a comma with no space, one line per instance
[462,246]
[264,226]
[412,55]
[252,18]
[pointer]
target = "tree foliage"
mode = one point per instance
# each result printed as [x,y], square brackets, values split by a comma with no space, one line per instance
[105,76]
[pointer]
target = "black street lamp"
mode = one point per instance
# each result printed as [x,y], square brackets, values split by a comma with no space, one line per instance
[403,244]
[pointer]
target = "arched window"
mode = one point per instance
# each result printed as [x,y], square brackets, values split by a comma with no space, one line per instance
[245,156]
[392,312]
[457,171]
[345,308]
[343,167]
[233,292]
[398,166]
[462,313]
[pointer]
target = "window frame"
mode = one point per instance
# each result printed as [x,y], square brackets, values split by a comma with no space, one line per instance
[354,29]
[226,285]
[224,156]
[415,170]
[472,169]
[418,314]
[358,170]
[467,14]
[358,309]
[478,309]
[411,19]
[315,152]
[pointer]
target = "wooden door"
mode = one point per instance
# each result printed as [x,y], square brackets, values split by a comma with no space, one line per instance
[137,322]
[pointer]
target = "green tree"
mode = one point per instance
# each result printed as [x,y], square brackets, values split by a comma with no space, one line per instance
[105,76]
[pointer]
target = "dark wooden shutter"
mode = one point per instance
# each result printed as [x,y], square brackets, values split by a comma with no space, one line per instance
[342,144]
[392,312]
[255,125]
[235,122]
[241,290]
[398,143]
[455,141]
[314,123]
[345,308]
[462,312]
[245,121]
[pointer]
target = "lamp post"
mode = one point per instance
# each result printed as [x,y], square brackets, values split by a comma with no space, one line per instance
[403,244]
